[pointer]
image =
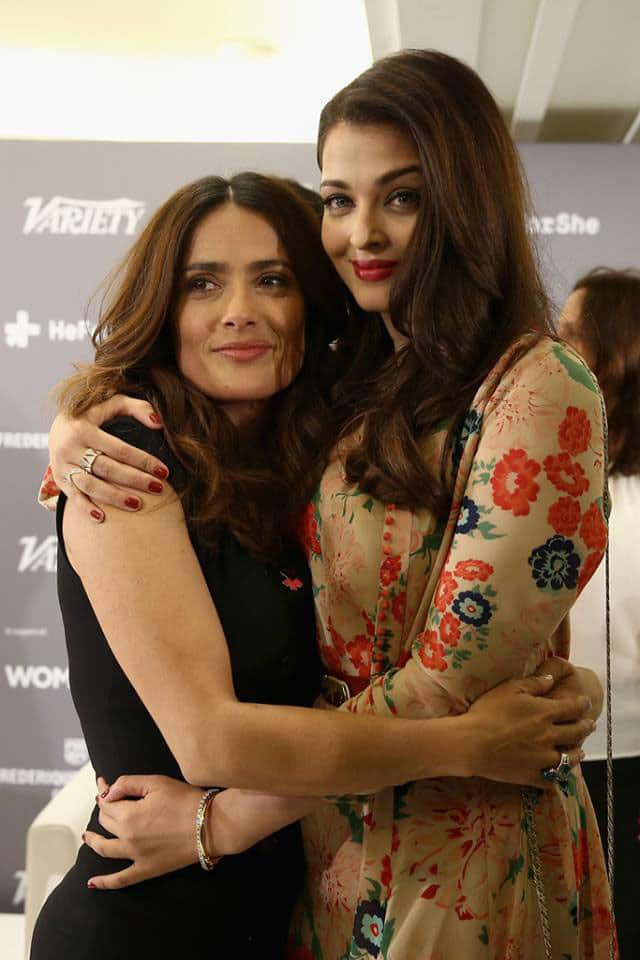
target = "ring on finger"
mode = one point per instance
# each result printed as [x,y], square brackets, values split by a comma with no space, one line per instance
[68,477]
[88,459]
[559,774]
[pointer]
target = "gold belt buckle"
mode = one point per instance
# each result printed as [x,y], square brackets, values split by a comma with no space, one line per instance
[335,691]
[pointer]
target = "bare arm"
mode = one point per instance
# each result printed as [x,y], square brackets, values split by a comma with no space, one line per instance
[148,592]
[157,834]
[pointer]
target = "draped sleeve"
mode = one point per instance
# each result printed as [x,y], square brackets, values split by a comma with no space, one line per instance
[525,534]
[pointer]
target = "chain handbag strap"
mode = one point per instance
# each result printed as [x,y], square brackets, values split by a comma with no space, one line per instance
[530,796]
[606,503]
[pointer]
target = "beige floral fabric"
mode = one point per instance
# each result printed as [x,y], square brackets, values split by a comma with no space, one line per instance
[430,616]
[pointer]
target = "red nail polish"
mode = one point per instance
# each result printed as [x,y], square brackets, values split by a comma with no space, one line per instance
[132,502]
[161,472]
[96,515]
[155,487]
[154,417]
[91,885]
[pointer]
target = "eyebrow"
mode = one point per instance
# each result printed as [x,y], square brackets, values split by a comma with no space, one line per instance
[381,181]
[217,266]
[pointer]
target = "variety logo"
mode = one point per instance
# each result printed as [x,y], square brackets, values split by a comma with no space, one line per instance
[19,332]
[38,555]
[24,441]
[24,676]
[75,751]
[565,224]
[64,215]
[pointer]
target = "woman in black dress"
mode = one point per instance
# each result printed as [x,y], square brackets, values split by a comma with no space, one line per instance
[221,319]
[172,916]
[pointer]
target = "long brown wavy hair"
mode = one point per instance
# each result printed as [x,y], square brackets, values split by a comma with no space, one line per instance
[610,334]
[250,480]
[467,288]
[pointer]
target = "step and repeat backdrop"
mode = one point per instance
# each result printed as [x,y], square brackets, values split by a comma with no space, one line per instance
[69,212]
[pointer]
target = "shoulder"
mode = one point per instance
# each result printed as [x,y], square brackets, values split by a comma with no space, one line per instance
[131,431]
[545,365]
[126,526]
[541,373]
[542,388]
[137,434]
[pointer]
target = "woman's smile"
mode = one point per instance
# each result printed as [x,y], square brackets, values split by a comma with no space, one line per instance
[240,352]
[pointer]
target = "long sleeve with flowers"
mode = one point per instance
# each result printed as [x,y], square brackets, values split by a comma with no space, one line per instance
[420,618]
[525,534]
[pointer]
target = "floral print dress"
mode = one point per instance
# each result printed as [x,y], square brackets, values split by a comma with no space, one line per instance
[428,617]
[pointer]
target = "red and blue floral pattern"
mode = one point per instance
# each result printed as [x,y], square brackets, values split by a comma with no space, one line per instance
[441,868]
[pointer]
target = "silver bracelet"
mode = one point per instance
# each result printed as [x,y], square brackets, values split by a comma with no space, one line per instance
[206,862]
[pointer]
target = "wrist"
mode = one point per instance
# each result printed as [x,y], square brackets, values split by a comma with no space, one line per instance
[452,749]
[216,832]
[467,746]
[207,857]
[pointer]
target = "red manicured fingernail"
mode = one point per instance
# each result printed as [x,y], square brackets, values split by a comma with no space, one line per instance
[96,515]
[161,472]
[132,502]
[154,418]
[91,885]
[155,487]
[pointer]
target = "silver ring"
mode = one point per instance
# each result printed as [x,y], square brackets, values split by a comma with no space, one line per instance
[68,477]
[559,774]
[88,459]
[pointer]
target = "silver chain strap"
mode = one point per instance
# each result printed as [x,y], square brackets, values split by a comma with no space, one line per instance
[606,502]
[529,795]
[529,799]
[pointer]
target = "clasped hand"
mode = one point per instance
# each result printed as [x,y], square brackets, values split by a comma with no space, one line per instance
[152,819]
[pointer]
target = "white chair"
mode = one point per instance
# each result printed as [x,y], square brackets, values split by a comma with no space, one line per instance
[53,841]
[11,936]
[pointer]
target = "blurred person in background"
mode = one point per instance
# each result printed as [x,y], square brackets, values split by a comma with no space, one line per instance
[601,320]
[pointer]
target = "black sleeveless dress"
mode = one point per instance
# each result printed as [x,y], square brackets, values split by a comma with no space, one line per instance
[241,909]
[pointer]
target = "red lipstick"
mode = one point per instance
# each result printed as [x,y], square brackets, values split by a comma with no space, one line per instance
[373,270]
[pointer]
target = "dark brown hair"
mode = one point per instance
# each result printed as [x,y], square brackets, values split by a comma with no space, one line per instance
[253,480]
[610,334]
[468,286]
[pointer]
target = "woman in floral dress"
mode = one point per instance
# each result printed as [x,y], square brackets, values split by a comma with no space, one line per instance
[423,605]
[459,518]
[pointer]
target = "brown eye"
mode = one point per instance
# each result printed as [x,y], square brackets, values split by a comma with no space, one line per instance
[405,199]
[337,203]
[273,280]
[200,284]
